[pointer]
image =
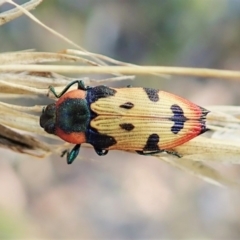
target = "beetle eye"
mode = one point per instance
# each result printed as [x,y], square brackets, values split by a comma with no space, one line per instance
[47,119]
[50,128]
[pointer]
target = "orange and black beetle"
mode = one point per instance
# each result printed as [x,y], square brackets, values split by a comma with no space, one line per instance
[145,120]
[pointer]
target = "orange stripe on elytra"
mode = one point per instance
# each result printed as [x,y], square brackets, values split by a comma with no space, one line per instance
[77,93]
[74,137]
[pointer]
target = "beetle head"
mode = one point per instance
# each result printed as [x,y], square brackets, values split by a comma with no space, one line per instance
[48,118]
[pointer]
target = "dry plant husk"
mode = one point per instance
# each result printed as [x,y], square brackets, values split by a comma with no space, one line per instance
[25,75]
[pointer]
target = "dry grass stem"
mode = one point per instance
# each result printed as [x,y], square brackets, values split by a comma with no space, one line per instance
[140,70]
[16,12]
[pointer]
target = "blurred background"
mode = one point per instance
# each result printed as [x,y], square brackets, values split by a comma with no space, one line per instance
[122,195]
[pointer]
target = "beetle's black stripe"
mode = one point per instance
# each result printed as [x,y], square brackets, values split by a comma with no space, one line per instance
[203,127]
[204,111]
[98,92]
[153,94]
[127,105]
[99,141]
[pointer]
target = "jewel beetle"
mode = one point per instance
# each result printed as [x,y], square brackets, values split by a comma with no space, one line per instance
[144,120]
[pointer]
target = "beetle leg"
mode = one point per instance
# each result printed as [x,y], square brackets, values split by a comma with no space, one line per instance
[100,152]
[72,154]
[173,153]
[149,153]
[80,86]
[159,151]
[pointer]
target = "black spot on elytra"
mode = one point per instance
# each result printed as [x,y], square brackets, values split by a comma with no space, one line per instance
[127,126]
[98,92]
[178,118]
[152,94]
[98,140]
[152,143]
[73,115]
[127,105]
